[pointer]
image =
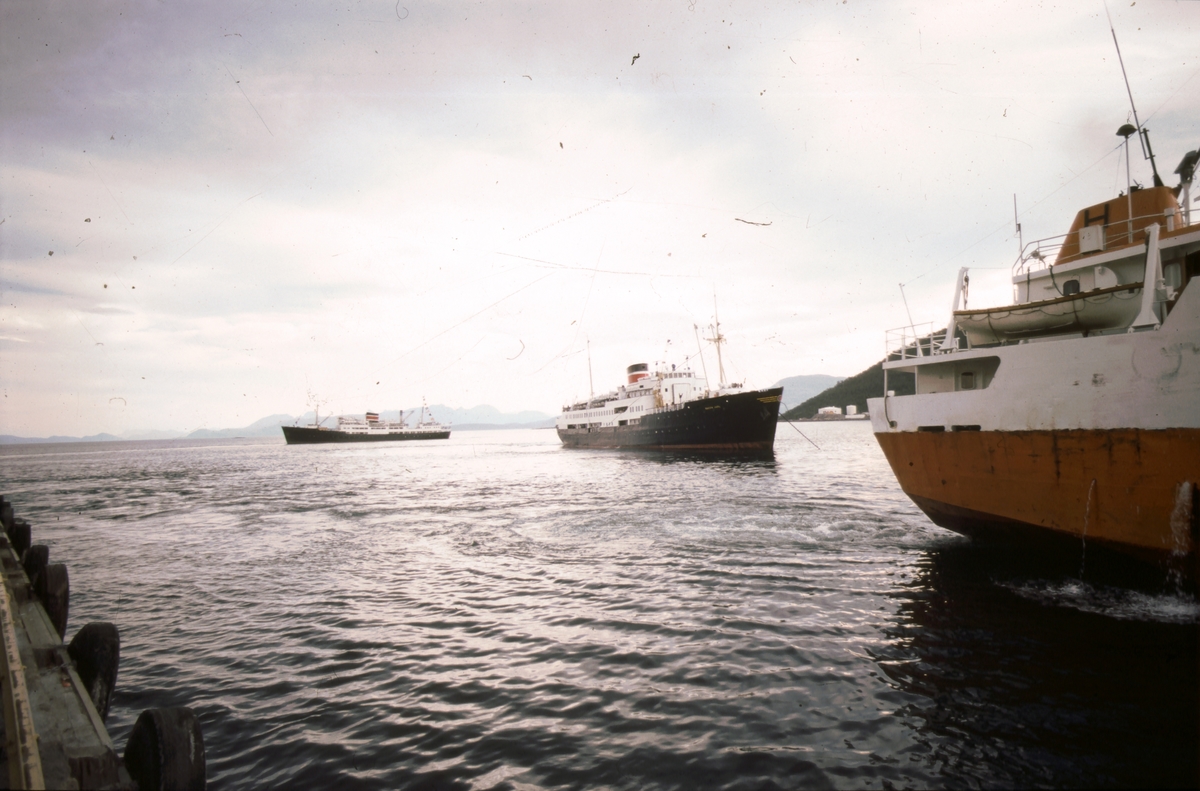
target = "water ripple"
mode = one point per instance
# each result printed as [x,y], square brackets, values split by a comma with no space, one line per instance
[494,612]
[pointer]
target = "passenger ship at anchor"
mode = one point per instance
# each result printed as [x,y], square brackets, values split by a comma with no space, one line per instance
[674,410]
[1074,413]
[367,429]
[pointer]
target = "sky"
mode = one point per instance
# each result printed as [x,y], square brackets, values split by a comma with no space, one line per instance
[212,212]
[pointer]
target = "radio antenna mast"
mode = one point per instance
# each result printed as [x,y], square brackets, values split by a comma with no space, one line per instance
[1143,134]
[1017,221]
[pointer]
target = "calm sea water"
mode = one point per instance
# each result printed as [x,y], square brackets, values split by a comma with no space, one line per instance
[494,611]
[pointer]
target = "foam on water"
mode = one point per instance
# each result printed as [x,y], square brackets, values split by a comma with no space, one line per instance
[1112,602]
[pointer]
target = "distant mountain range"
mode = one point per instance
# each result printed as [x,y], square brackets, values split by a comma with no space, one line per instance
[476,418]
[9,439]
[798,389]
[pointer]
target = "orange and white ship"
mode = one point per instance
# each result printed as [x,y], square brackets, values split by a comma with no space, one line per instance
[1075,412]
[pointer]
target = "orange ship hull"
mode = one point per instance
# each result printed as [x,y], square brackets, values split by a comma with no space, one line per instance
[1135,490]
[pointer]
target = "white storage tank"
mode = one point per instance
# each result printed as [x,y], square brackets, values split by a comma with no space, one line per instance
[851,409]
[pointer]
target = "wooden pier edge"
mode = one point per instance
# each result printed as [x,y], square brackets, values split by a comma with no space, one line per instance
[54,735]
[20,735]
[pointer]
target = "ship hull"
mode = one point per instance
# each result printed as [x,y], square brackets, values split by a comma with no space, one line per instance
[1134,490]
[1093,439]
[741,423]
[306,435]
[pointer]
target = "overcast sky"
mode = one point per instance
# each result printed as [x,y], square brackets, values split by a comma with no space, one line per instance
[210,210]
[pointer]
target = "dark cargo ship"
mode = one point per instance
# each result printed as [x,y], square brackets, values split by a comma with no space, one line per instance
[673,410]
[368,429]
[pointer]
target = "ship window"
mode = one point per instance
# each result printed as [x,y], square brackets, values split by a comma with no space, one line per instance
[1070,288]
[968,380]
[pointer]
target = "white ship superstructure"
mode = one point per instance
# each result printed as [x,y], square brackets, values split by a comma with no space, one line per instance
[372,424]
[646,392]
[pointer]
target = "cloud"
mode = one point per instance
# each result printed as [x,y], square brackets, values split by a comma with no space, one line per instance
[326,196]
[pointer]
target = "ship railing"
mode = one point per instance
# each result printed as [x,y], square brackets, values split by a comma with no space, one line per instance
[1038,254]
[915,340]
[1041,253]
[601,400]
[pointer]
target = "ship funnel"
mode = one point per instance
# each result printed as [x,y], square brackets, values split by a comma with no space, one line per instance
[637,371]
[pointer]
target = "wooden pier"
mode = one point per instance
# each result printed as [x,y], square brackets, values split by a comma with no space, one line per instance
[56,696]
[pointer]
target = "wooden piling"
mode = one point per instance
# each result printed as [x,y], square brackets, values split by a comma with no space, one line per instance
[55,698]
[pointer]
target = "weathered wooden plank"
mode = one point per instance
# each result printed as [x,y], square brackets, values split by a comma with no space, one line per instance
[21,740]
[73,746]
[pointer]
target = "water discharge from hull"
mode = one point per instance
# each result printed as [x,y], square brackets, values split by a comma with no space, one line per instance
[1184,529]
[1183,519]
[1086,518]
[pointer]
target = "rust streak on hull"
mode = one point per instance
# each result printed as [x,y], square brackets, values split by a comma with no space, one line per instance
[1123,487]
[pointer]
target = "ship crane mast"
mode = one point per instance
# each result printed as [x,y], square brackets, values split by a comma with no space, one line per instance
[717,339]
[700,349]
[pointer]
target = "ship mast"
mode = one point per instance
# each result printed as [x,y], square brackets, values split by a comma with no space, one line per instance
[316,404]
[591,388]
[700,349]
[717,339]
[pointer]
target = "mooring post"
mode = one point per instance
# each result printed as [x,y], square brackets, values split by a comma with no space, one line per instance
[54,590]
[21,536]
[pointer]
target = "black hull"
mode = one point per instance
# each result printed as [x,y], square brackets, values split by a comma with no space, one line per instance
[741,423]
[306,435]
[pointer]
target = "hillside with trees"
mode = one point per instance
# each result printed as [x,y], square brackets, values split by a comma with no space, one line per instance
[855,390]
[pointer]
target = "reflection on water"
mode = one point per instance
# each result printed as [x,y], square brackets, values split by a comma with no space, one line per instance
[497,612]
[742,462]
[1035,682]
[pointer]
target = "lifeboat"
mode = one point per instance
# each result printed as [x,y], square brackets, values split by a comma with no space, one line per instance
[1096,281]
[1084,312]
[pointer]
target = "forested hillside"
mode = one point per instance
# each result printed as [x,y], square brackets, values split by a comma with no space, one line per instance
[855,390]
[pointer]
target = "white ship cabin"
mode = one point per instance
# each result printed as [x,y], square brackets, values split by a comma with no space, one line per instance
[1120,268]
[1106,248]
[644,392]
[369,424]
